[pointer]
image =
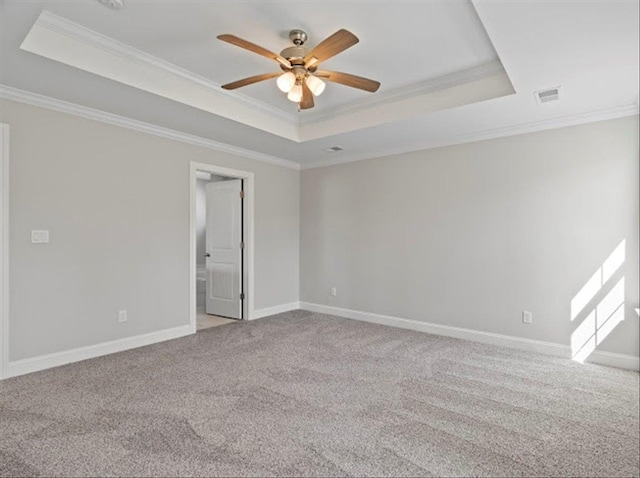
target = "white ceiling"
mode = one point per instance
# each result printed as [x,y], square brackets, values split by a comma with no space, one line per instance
[398,47]
[590,48]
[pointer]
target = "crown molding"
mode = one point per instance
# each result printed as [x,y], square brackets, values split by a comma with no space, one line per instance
[79,33]
[552,123]
[34,99]
[431,85]
[407,104]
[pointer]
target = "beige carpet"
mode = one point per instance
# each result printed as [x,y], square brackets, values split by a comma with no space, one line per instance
[205,321]
[302,394]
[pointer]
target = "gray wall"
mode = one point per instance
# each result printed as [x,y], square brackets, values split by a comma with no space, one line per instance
[116,203]
[472,235]
[467,235]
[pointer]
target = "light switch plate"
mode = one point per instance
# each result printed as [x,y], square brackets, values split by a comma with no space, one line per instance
[39,236]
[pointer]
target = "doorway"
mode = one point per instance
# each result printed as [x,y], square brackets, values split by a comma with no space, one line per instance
[221,246]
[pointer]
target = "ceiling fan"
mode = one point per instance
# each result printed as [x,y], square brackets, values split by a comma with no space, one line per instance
[301,79]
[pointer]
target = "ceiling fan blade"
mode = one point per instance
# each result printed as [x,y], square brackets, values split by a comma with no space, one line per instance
[234,40]
[250,80]
[307,97]
[349,80]
[331,46]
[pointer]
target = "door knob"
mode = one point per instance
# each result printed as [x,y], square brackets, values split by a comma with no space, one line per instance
[207,255]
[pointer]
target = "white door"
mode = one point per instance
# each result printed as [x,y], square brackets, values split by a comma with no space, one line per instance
[224,252]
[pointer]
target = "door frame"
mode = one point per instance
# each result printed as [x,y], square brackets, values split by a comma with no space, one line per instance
[248,232]
[4,250]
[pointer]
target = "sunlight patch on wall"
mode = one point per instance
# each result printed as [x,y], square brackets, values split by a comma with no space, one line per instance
[604,317]
[613,262]
[588,292]
[598,279]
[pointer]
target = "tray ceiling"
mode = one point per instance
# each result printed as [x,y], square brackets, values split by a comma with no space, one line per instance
[448,69]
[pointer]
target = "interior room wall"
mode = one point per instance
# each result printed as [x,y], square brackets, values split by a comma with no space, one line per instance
[116,203]
[472,235]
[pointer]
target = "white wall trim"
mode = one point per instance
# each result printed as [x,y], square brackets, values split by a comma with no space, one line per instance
[34,99]
[42,362]
[4,249]
[552,123]
[403,108]
[249,236]
[548,348]
[386,98]
[276,309]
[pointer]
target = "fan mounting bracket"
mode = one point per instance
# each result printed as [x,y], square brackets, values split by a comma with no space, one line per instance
[298,37]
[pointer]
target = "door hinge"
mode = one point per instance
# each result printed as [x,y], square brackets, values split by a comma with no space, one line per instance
[241,194]
[241,295]
[242,245]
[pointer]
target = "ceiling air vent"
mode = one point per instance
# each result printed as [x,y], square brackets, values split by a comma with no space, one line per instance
[548,95]
[334,149]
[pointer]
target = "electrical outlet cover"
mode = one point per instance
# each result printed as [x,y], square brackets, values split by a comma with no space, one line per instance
[39,236]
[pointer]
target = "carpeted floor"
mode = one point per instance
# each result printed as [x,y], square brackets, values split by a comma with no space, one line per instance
[303,394]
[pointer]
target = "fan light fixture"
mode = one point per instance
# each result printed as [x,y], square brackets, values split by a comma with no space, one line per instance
[302,80]
[288,83]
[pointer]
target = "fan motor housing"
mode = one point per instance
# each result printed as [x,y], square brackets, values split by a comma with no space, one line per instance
[294,52]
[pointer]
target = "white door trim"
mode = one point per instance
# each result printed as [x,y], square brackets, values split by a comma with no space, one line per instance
[248,224]
[4,251]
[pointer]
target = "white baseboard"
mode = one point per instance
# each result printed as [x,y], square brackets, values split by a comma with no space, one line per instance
[615,360]
[34,364]
[276,309]
[549,348]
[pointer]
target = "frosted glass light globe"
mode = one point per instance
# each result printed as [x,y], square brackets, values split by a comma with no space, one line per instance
[286,81]
[316,85]
[295,94]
